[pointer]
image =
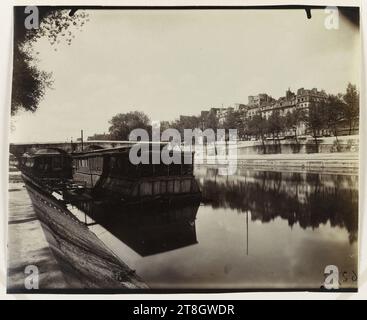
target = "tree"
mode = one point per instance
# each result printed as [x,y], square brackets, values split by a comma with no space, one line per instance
[257,126]
[351,107]
[234,120]
[293,120]
[275,124]
[123,123]
[165,125]
[210,121]
[334,112]
[186,122]
[242,124]
[30,83]
[315,120]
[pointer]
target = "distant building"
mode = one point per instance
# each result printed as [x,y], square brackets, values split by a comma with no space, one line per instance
[287,104]
[222,114]
[259,100]
[306,97]
[239,107]
[264,104]
[283,105]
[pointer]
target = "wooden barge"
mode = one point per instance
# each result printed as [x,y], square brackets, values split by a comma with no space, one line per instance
[47,164]
[112,192]
[108,173]
[78,250]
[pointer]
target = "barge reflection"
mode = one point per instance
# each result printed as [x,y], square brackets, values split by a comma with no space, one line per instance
[147,229]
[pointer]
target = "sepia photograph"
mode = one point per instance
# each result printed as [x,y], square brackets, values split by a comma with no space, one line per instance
[184,149]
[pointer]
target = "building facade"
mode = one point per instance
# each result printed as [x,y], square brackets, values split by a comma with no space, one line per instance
[265,105]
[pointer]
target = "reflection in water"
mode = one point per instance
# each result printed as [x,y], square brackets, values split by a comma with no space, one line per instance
[147,229]
[85,260]
[305,198]
[255,229]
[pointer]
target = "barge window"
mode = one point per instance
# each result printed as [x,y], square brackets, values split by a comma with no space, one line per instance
[146,170]
[99,163]
[57,163]
[81,163]
[95,163]
[187,169]
[132,170]
[161,170]
[90,163]
[45,164]
[114,165]
[119,166]
[175,169]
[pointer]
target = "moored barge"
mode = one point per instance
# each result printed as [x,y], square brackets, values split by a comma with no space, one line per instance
[57,181]
[109,174]
[80,253]
[49,169]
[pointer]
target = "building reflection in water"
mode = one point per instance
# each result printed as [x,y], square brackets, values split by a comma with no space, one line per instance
[308,199]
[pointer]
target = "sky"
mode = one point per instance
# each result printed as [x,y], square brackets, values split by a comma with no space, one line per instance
[171,63]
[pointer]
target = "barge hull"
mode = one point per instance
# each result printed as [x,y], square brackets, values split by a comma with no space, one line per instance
[78,249]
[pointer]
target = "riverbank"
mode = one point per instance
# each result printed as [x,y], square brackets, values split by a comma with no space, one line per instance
[343,162]
[66,253]
[27,245]
[329,162]
[344,144]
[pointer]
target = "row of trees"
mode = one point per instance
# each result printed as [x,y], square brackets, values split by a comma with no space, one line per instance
[330,115]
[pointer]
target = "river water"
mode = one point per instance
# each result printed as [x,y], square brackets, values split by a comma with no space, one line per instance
[254,230]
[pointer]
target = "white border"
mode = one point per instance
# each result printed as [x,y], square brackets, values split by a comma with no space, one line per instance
[5,81]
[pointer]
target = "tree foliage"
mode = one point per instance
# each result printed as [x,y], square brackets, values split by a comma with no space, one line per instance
[122,124]
[351,107]
[334,113]
[29,83]
[258,126]
[294,119]
[275,124]
[210,121]
[315,119]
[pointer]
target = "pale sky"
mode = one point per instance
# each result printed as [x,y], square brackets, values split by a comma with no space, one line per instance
[168,63]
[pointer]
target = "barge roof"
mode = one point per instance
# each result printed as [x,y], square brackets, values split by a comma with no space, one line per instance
[122,149]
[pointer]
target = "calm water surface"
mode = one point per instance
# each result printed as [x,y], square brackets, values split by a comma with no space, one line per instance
[256,229]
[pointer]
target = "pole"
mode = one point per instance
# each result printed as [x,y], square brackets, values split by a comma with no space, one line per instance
[81,135]
[247,232]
